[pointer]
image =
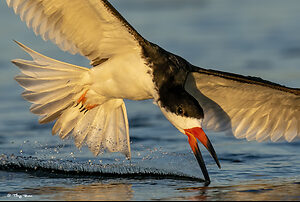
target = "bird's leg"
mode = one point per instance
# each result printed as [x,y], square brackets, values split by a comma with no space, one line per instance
[83,100]
[91,106]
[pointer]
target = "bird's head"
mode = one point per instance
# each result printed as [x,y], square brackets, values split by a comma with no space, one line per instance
[186,114]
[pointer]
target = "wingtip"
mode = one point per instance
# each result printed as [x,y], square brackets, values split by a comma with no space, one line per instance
[19,44]
[14,61]
[29,51]
[22,46]
[9,3]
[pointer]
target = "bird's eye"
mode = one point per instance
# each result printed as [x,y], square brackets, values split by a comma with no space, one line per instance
[179,110]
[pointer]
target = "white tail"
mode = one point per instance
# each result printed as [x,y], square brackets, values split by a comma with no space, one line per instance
[57,89]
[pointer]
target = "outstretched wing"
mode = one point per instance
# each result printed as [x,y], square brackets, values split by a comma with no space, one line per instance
[249,107]
[92,28]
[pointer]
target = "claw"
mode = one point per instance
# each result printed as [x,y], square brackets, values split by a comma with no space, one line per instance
[82,107]
[82,100]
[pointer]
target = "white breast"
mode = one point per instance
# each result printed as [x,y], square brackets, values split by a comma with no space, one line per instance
[126,77]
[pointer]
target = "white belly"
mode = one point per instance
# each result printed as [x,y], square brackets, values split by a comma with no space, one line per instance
[125,77]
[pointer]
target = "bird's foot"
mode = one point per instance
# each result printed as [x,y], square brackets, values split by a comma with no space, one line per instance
[84,108]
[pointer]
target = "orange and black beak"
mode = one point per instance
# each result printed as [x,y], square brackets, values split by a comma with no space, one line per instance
[198,133]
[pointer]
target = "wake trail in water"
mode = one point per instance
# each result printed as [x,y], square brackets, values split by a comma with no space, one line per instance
[64,168]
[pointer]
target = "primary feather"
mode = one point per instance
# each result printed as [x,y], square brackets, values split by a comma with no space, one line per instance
[252,109]
[92,28]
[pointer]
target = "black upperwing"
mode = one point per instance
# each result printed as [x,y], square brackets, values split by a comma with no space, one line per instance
[247,79]
[248,107]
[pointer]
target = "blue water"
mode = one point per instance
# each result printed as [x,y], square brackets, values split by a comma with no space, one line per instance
[257,37]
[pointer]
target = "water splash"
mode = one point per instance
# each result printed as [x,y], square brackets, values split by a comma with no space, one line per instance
[67,168]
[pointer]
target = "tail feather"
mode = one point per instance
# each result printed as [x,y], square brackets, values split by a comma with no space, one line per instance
[57,105]
[114,135]
[97,126]
[44,60]
[50,117]
[36,70]
[44,85]
[57,89]
[67,121]
[81,129]
[45,97]
[113,127]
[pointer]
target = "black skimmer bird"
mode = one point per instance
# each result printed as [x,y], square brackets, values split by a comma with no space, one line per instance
[87,103]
